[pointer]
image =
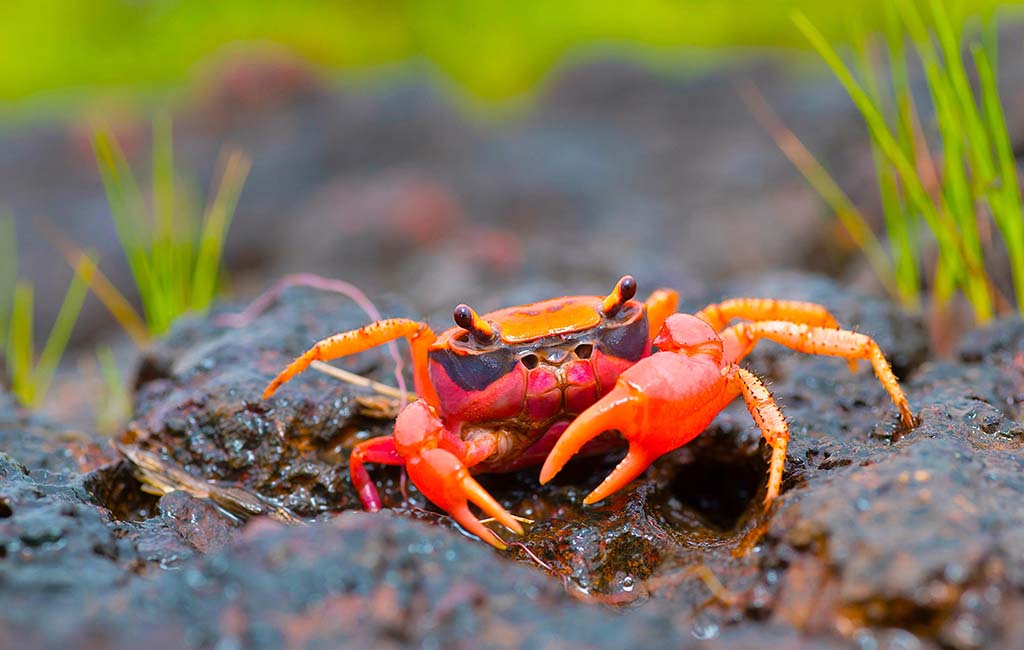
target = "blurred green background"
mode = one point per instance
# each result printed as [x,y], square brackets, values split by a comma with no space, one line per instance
[59,52]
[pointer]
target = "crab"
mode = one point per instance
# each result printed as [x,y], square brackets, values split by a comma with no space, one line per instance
[539,383]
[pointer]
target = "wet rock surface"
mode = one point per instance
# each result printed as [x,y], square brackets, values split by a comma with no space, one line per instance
[881,537]
[199,405]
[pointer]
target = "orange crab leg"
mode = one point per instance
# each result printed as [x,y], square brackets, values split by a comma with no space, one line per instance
[718,315]
[741,338]
[660,305]
[437,463]
[769,420]
[420,338]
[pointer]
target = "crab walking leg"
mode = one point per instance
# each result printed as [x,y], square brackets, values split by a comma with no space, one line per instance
[719,314]
[769,420]
[660,305]
[420,338]
[442,475]
[380,450]
[741,338]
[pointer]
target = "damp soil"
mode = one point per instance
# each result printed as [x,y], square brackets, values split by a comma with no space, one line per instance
[218,518]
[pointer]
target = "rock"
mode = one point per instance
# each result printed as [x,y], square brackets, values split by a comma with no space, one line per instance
[881,537]
[199,406]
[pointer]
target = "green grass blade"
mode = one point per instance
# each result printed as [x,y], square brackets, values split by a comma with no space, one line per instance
[215,226]
[20,346]
[818,178]
[901,223]
[60,333]
[916,193]
[131,221]
[980,151]
[904,258]
[900,80]
[957,217]
[1007,213]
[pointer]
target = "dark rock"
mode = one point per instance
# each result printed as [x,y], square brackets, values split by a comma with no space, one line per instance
[882,536]
[199,406]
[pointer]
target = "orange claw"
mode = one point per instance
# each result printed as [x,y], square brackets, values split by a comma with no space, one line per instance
[658,405]
[443,479]
[618,410]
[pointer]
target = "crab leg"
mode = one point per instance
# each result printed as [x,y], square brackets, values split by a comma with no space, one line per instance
[741,338]
[420,337]
[660,305]
[379,450]
[769,420]
[438,465]
[718,315]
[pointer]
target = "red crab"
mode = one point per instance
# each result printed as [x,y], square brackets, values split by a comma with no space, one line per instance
[536,383]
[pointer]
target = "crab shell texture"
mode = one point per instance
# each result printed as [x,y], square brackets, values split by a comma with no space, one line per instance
[543,364]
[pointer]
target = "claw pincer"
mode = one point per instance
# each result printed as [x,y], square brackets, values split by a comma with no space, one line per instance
[658,405]
[537,383]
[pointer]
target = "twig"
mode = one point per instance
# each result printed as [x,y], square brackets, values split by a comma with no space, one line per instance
[359,380]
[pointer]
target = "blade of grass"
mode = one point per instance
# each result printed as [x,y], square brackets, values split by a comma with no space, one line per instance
[969,132]
[116,303]
[215,226]
[954,198]
[939,221]
[1008,216]
[60,333]
[897,219]
[981,160]
[130,221]
[823,183]
[20,346]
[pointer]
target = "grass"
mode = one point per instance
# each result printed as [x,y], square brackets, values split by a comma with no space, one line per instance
[173,250]
[953,201]
[30,375]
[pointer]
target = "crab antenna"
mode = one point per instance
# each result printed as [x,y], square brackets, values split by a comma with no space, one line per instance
[624,291]
[469,320]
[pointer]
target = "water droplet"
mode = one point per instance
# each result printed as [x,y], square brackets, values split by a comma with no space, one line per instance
[705,629]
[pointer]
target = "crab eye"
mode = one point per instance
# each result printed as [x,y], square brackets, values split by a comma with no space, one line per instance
[529,360]
[470,321]
[584,350]
[623,292]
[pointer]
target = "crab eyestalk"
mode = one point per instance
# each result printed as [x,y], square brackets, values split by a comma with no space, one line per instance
[470,321]
[623,292]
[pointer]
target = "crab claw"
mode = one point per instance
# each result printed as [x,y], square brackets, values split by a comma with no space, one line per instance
[658,405]
[443,479]
[617,410]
